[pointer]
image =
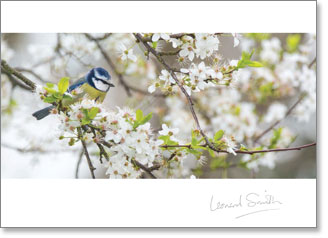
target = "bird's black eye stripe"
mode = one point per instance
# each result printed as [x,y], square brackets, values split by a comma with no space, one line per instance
[103,81]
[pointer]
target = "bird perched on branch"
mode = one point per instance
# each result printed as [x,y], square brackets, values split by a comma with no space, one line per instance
[94,85]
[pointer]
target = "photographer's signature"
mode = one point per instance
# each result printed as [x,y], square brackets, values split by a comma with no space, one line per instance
[260,202]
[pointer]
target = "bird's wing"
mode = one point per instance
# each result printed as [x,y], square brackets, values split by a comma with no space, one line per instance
[77,84]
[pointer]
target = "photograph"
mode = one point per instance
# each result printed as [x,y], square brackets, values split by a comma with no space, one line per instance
[158,105]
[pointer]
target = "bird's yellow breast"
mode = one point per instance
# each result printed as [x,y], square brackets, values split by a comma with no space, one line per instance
[93,93]
[87,91]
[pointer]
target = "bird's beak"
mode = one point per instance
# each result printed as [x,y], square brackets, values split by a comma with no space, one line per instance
[111,85]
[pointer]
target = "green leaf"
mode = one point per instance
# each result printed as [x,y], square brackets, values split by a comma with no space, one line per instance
[93,112]
[258,36]
[139,115]
[211,152]
[57,95]
[154,44]
[164,138]
[50,99]
[63,85]
[199,147]
[67,97]
[246,61]
[243,148]
[293,42]
[140,119]
[50,85]
[194,152]
[218,135]
[50,90]
[194,142]
[146,119]
[254,64]
[85,121]
[275,138]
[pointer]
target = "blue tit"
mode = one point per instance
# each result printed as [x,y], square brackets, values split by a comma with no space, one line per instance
[94,85]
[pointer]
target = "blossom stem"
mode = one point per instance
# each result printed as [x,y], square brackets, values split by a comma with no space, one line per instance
[247,152]
[86,153]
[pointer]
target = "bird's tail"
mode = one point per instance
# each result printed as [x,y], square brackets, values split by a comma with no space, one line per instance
[42,113]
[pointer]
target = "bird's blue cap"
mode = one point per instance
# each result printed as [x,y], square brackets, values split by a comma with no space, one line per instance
[100,73]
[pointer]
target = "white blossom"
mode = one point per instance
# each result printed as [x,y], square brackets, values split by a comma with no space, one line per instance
[206,44]
[275,112]
[127,54]
[157,36]
[271,50]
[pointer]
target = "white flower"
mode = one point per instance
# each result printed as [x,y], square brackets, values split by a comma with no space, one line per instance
[170,132]
[235,39]
[193,177]
[234,63]
[216,73]
[166,76]
[127,53]
[202,160]
[152,88]
[198,75]
[157,36]
[271,50]
[39,89]
[175,42]
[231,145]
[206,44]
[275,112]
[187,50]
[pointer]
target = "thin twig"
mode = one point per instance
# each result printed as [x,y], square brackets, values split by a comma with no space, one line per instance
[78,164]
[86,153]
[172,73]
[278,121]
[100,147]
[313,61]
[246,152]
[144,168]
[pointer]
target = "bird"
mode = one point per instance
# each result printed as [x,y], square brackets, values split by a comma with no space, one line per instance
[94,85]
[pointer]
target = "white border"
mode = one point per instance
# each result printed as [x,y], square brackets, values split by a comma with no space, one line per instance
[148,16]
[158,203]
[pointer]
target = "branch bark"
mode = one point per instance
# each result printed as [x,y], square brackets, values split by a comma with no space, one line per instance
[248,152]
[86,153]
[5,67]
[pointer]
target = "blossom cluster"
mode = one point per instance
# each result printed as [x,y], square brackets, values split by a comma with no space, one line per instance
[128,144]
[197,76]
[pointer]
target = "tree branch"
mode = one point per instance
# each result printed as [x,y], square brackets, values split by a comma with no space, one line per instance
[78,164]
[144,168]
[171,71]
[5,67]
[86,153]
[247,152]
[313,61]
[278,121]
